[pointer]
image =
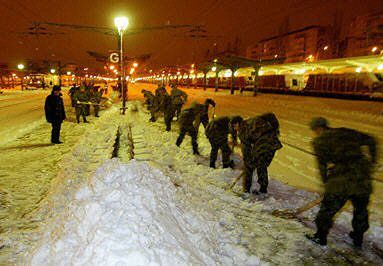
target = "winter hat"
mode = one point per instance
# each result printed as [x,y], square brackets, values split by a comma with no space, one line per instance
[317,122]
[56,88]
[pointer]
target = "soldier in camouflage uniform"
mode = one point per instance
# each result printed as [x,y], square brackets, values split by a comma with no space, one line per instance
[80,98]
[179,98]
[95,98]
[187,117]
[217,132]
[169,111]
[346,173]
[259,139]
[203,110]
[150,104]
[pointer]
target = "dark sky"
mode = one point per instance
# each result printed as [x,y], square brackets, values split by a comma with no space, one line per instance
[249,20]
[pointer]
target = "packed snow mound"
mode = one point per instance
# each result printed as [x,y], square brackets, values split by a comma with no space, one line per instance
[128,214]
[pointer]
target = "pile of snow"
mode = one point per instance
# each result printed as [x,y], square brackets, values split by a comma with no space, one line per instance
[129,215]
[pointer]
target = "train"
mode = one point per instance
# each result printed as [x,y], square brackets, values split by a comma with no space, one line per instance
[354,78]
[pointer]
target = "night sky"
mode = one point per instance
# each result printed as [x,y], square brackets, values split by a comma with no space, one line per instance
[249,20]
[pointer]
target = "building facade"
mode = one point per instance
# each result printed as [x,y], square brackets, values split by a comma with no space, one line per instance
[365,36]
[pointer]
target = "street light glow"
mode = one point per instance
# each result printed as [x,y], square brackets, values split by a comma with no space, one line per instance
[53,71]
[121,23]
[358,70]
[135,64]
[111,67]
[374,49]
[69,73]
[214,68]
[20,66]
[325,48]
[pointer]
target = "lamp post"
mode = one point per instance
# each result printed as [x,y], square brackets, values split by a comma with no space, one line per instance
[21,68]
[121,24]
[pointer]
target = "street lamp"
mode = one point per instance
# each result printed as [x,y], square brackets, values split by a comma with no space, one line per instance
[21,67]
[121,24]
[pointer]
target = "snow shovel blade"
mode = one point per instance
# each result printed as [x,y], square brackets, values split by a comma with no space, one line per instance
[286,214]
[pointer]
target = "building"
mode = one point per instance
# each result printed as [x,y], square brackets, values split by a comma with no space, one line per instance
[365,36]
[307,44]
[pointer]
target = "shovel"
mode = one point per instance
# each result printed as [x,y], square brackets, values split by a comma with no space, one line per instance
[292,214]
[230,187]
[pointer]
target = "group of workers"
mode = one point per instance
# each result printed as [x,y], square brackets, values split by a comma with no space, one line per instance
[83,97]
[345,169]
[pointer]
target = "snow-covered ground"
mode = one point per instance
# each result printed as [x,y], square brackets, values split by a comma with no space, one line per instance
[49,193]
[167,207]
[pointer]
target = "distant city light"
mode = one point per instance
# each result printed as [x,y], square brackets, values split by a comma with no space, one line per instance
[69,73]
[131,71]
[135,64]
[192,66]
[20,66]
[214,68]
[380,67]
[276,56]
[111,67]
[85,69]
[325,48]
[374,49]
[261,72]
[53,70]
[358,70]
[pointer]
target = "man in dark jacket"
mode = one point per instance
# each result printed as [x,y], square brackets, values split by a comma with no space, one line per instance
[55,113]
[217,132]
[346,173]
[259,142]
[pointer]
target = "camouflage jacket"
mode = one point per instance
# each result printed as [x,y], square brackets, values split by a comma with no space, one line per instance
[178,96]
[218,130]
[343,166]
[188,116]
[258,137]
[149,97]
[80,96]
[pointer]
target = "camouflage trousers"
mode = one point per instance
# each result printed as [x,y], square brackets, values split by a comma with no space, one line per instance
[193,134]
[260,164]
[80,112]
[168,118]
[333,202]
[225,149]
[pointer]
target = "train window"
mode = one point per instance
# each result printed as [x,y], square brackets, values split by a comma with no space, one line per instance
[295,82]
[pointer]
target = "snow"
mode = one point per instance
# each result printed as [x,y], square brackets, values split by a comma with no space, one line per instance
[129,215]
[168,207]
[65,199]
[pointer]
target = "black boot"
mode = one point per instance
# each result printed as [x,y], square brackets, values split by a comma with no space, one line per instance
[321,240]
[263,190]
[357,239]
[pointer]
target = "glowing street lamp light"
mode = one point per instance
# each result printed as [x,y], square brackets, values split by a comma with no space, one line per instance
[122,24]
[214,68]
[374,49]
[69,73]
[21,67]
[135,64]
[53,70]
